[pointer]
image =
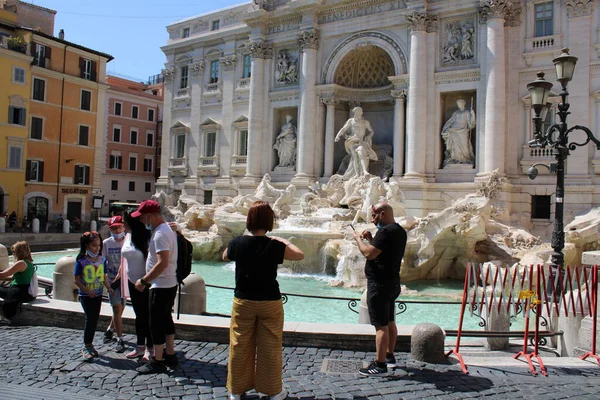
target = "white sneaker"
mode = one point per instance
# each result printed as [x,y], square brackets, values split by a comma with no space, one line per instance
[282,395]
[235,396]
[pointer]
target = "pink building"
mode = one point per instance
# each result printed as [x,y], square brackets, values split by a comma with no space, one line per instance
[132,141]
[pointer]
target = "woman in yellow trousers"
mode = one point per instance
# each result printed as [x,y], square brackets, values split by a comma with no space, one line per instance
[256,330]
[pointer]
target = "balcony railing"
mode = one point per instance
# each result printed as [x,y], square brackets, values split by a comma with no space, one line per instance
[243,83]
[208,166]
[212,87]
[543,43]
[10,44]
[156,79]
[239,160]
[178,166]
[182,93]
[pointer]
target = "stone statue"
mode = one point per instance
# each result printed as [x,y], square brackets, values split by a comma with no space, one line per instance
[457,136]
[283,202]
[286,71]
[358,144]
[395,198]
[285,144]
[264,192]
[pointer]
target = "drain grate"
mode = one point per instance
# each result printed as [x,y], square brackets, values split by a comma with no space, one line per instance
[336,366]
[108,365]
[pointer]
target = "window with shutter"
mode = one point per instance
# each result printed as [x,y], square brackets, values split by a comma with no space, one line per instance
[40,55]
[39,89]
[116,134]
[183,81]
[179,146]
[150,115]
[133,137]
[132,163]
[149,139]
[32,172]
[82,175]
[214,71]
[86,100]
[18,75]
[16,115]
[118,108]
[134,112]
[86,67]
[243,149]
[37,125]
[15,153]
[84,135]
[147,165]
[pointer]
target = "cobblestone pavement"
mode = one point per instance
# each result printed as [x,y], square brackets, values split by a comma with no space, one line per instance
[43,362]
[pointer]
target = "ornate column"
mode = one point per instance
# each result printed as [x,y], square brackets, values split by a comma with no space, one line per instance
[399,132]
[196,70]
[494,157]
[308,41]
[420,24]
[260,51]
[228,64]
[163,181]
[330,103]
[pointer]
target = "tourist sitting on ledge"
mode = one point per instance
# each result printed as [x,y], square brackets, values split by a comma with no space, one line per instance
[20,275]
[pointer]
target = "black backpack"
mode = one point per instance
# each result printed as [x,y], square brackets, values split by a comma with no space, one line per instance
[184,257]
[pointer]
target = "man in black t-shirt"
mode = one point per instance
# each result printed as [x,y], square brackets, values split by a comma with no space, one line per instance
[384,255]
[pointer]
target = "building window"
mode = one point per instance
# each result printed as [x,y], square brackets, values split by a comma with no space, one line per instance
[183,81]
[215,25]
[210,145]
[151,115]
[39,89]
[41,54]
[247,66]
[208,197]
[147,164]
[149,139]
[82,175]
[115,161]
[16,115]
[88,69]
[84,135]
[186,33]
[148,187]
[544,19]
[132,163]
[243,147]
[34,171]
[15,153]
[116,135]
[114,185]
[18,75]
[37,126]
[86,100]
[133,137]
[118,107]
[132,186]
[134,112]
[179,146]
[214,71]
[540,207]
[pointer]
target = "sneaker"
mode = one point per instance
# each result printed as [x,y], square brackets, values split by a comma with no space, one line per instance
[152,367]
[108,337]
[373,370]
[139,351]
[120,348]
[391,362]
[94,351]
[171,360]
[87,354]
[148,355]
[282,395]
[235,396]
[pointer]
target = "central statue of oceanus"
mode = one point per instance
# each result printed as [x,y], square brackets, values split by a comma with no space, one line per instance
[358,144]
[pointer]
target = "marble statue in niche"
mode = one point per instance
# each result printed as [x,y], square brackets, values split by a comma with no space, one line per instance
[458,45]
[285,144]
[358,144]
[286,70]
[457,135]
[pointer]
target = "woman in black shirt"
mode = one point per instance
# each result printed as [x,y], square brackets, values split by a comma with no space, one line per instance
[256,330]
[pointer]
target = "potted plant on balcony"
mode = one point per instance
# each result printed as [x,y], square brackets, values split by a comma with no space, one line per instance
[16,43]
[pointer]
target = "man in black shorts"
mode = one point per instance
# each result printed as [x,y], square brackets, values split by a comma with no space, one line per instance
[384,255]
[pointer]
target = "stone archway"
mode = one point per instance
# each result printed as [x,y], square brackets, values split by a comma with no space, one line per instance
[369,39]
[364,67]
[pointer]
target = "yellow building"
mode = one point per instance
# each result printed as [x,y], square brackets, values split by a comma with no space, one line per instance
[15,84]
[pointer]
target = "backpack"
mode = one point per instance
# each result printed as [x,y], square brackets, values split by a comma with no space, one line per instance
[184,257]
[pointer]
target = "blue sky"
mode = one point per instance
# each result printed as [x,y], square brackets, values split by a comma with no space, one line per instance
[132,31]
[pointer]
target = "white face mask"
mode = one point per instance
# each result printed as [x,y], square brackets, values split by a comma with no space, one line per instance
[118,235]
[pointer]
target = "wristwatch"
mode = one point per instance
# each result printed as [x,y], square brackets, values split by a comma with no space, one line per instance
[143,282]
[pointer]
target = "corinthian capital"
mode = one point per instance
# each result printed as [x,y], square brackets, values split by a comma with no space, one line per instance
[490,9]
[197,68]
[309,39]
[513,16]
[228,62]
[261,49]
[579,8]
[422,21]
[168,73]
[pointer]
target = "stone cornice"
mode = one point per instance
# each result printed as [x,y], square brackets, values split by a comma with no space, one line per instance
[579,8]
[261,49]
[348,94]
[400,82]
[469,75]
[330,101]
[422,21]
[309,39]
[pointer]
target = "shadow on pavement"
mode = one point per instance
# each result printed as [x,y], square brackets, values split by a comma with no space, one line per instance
[448,381]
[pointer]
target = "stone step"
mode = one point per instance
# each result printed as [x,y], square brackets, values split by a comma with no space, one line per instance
[585,335]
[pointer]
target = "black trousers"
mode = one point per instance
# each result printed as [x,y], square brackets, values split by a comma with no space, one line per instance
[13,296]
[91,308]
[161,317]
[141,308]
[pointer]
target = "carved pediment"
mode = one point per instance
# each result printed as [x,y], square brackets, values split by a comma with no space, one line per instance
[241,119]
[179,127]
[209,124]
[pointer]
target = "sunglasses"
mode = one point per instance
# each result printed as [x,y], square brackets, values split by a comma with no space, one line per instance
[92,233]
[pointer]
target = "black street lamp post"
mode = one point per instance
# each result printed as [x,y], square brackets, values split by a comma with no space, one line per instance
[557,137]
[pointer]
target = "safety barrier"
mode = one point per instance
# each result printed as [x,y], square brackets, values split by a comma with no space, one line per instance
[526,290]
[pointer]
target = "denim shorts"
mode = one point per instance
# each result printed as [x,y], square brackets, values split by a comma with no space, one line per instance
[116,299]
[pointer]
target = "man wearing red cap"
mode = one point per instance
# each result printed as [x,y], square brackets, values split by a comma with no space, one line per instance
[161,276]
[111,249]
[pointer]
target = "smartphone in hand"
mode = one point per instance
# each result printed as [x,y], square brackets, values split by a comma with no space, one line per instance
[352,228]
[116,284]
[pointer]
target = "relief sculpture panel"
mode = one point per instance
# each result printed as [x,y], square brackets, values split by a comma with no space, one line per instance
[458,42]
